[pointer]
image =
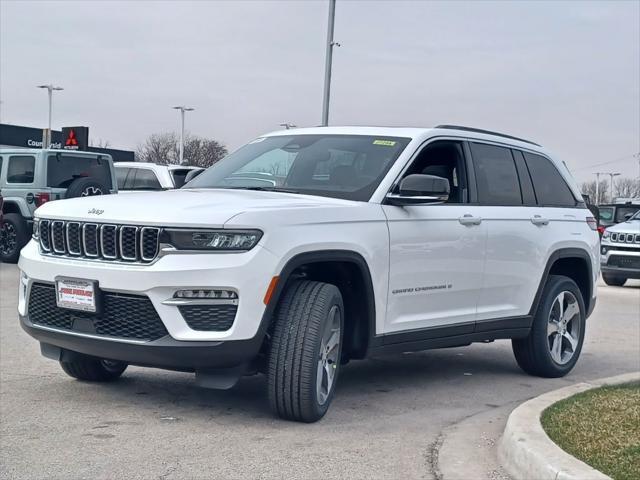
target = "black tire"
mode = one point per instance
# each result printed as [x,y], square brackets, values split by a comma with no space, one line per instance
[613,280]
[305,310]
[15,235]
[85,187]
[92,369]
[533,352]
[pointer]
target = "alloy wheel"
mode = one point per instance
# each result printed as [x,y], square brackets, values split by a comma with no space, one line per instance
[563,327]
[328,357]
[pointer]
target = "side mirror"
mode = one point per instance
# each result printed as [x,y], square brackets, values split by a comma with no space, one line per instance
[420,189]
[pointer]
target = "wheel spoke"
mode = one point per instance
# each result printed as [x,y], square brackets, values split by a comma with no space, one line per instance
[552,327]
[320,382]
[571,311]
[560,300]
[556,348]
[573,342]
[333,342]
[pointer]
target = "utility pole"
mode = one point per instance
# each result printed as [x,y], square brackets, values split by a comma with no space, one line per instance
[182,109]
[597,188]
[611,174]
[50,88]
[328,63]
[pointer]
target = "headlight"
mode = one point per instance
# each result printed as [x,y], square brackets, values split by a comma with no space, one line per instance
[606,234]
[36,229]
[215,240]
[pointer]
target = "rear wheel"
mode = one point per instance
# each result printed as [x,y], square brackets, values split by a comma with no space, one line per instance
[555,341]
[92,369]
[304,356]
[14,235]
[613,280]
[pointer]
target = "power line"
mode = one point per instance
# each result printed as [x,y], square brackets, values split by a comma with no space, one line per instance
[619,159]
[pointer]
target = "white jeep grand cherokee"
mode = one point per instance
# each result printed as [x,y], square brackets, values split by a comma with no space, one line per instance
[310,247]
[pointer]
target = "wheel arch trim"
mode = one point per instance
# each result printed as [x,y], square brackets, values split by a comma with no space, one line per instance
[563,253]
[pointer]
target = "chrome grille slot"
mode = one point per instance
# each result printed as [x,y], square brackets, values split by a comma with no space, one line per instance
[128,243]
[90,239]
[74,238]
[45,235]
[102,242]
[57,236]
[149,243]
[109,241]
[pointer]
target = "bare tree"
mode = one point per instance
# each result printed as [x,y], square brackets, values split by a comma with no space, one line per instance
[100,143]
[627,187]
[163,148]
[589,188]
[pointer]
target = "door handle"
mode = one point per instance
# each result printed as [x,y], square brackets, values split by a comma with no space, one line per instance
[539,220]
[468,219]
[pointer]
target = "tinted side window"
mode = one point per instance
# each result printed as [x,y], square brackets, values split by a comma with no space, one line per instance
[121,176]
[20,169]
[550,187]
[496,175]
[146,180]
[64,169]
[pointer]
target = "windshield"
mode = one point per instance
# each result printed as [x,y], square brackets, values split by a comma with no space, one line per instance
[622,212]
[339,166]
[636,216]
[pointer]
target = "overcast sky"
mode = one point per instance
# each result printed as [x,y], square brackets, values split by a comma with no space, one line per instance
[566,75]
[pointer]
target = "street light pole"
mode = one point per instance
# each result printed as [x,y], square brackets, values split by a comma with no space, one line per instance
[328,63]
[612,175]
[182,109]
[50,88]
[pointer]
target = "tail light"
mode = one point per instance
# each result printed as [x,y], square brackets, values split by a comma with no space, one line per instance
[42,198]
[600,229]
[593,224]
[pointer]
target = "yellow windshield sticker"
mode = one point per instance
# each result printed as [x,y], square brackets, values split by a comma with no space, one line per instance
[386,143]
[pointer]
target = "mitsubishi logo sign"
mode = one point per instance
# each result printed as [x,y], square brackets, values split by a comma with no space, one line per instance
[75,138]
[71,140]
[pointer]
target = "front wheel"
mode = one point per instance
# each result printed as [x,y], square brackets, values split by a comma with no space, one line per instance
[555,341]
[14,234]
[91,369]
[305,351]
[613,280]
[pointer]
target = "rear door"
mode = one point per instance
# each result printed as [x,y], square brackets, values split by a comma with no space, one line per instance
[515,235]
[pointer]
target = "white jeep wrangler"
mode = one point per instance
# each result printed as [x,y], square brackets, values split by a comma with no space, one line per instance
[310,247]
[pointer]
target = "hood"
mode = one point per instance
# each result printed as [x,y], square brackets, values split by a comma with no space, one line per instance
[632,226]
[183,207]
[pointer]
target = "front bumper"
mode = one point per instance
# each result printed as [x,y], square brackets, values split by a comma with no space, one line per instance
[247,273]
[619,262]
[166,352]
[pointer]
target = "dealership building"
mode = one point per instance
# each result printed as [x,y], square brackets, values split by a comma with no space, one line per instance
[12,136]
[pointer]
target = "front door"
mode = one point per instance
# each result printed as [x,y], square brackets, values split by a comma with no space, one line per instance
[436,253]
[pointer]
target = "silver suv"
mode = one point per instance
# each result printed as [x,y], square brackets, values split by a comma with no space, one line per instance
[30,178]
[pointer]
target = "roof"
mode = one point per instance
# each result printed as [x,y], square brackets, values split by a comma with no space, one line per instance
[418,133]
[155,165]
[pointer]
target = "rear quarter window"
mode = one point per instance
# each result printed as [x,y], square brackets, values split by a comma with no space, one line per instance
[549,185]
[62,170]
[20,169]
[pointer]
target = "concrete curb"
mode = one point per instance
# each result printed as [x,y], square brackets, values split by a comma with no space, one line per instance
[525,450]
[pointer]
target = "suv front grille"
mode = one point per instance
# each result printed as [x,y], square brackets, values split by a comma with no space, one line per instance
[126,243]
[625,238]
[621,261]
[123,316]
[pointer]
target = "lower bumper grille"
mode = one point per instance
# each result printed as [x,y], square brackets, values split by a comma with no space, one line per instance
[209,318]
[623,261]
[123,316]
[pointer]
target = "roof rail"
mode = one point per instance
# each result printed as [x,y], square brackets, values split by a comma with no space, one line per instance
[488,132]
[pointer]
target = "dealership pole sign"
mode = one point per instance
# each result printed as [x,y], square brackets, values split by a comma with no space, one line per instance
[75,138]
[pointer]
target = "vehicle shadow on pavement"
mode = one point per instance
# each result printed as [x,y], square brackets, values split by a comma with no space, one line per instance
[175,395]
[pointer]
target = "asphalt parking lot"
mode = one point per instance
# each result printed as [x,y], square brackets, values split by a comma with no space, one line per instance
[385,421]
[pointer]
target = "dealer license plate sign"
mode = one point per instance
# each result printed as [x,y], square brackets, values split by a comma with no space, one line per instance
[76,294]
